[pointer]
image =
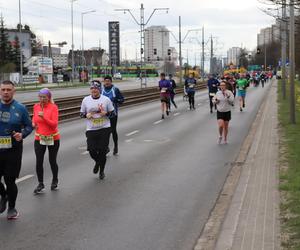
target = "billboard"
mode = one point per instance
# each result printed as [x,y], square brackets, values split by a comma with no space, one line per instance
[114,43]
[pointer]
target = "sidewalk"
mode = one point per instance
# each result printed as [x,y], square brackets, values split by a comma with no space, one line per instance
[252,221]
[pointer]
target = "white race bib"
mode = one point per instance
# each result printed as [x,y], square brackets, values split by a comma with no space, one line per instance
[163,90]
[47,140]
[98,122]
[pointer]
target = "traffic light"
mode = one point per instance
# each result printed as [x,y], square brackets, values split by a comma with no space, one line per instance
[169,52]
[142,50]
[154,51]
[258,51]
[148,58]
[158,58]
[169,58]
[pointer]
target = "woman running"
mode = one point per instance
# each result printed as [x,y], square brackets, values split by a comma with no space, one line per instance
[45,121]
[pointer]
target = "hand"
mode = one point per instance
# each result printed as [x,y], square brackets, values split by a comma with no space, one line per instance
[41,114]
[101,109]
[89,115]
[18,136]
[34,125]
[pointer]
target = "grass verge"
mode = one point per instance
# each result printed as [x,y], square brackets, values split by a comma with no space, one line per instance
[289,172]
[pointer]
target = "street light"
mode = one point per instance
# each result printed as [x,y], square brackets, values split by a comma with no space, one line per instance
[21,53]
[82,14]
[72,49]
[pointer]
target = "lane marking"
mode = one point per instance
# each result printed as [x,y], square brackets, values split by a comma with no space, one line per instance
[199,104]
[85,152]
[132,133]
[157,122]
[26,177]
[129,140]
[82,147]
[148,140]
[176,114]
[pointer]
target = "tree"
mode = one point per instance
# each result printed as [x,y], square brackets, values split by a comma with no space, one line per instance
[5,50]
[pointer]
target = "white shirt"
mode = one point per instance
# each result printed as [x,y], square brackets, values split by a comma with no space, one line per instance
[90,105]
[224,100]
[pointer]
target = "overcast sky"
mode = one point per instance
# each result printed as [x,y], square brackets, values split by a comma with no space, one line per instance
[230,22]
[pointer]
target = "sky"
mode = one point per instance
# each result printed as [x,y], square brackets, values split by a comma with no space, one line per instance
[230,22]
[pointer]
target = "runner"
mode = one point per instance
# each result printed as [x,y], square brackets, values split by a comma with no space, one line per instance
[172,91]
[15,125]
[212,85]
[224,100]
[116,97]
[242,84]
[45,121]
[164,88]
[190,84]
[97,109]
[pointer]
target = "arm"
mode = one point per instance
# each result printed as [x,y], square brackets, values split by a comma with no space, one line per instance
[27,126]
[119,97]
[52,121]
[83,110]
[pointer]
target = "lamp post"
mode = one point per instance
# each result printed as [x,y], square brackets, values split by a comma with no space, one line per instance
[72,49]
[82,14]
[21,53]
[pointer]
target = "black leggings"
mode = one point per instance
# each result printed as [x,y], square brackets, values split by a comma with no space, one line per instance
[11,191]
[39,153]
[97,143]
[113,124]
[191,96]
[211,105]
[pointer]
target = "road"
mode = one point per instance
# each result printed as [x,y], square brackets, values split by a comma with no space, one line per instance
[59,93]
[158,192]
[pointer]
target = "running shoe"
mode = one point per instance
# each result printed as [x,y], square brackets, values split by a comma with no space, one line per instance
[220,140]
[3,203]
[96,168]
[162,117]
[12,214]
[194,108]
[211,111]
[244,105]
[101,175]
[54,185]
[39,189]
[167,112]
[241,109]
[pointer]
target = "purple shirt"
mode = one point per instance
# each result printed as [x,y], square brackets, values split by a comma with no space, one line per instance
[165,87]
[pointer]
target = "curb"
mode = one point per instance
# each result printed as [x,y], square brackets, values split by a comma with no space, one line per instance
[210,232]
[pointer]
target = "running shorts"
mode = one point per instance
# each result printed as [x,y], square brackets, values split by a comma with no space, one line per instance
[225,116]
[242,93]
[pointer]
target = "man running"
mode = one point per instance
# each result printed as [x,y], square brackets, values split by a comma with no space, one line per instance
[190,84]
[172,91]
[116,97]
[97,109]
[15,125]
[212,85]
[242,84]
[164,88]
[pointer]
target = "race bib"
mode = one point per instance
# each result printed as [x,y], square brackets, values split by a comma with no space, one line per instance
[5,142]
[98,122]
[163,90]
[212,94]
[191,86]
[47,140]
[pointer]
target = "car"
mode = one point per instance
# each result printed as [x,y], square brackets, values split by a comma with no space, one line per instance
[118,76]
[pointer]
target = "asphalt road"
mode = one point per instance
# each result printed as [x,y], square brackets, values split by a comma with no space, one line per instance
[158,192]
[32,95]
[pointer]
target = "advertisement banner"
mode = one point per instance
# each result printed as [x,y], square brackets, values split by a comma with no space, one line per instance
[114,43]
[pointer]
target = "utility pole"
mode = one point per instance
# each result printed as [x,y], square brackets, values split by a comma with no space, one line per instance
[265,52]
[142,25]
[202,62]
[20,42]
[180,52]
[211,53]
[283,48]
[72,51]
[292,63]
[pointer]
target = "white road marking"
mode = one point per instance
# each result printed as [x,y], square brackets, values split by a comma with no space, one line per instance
[176,114]
[82,147]
[129,140]
[157,122]
[148,140]
[132,133]
[85,152]
[24,178]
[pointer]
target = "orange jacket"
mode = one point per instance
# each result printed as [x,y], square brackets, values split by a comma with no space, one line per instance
[48,125]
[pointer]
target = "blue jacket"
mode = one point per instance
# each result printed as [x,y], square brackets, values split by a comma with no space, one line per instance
[212,85]
[115,95]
